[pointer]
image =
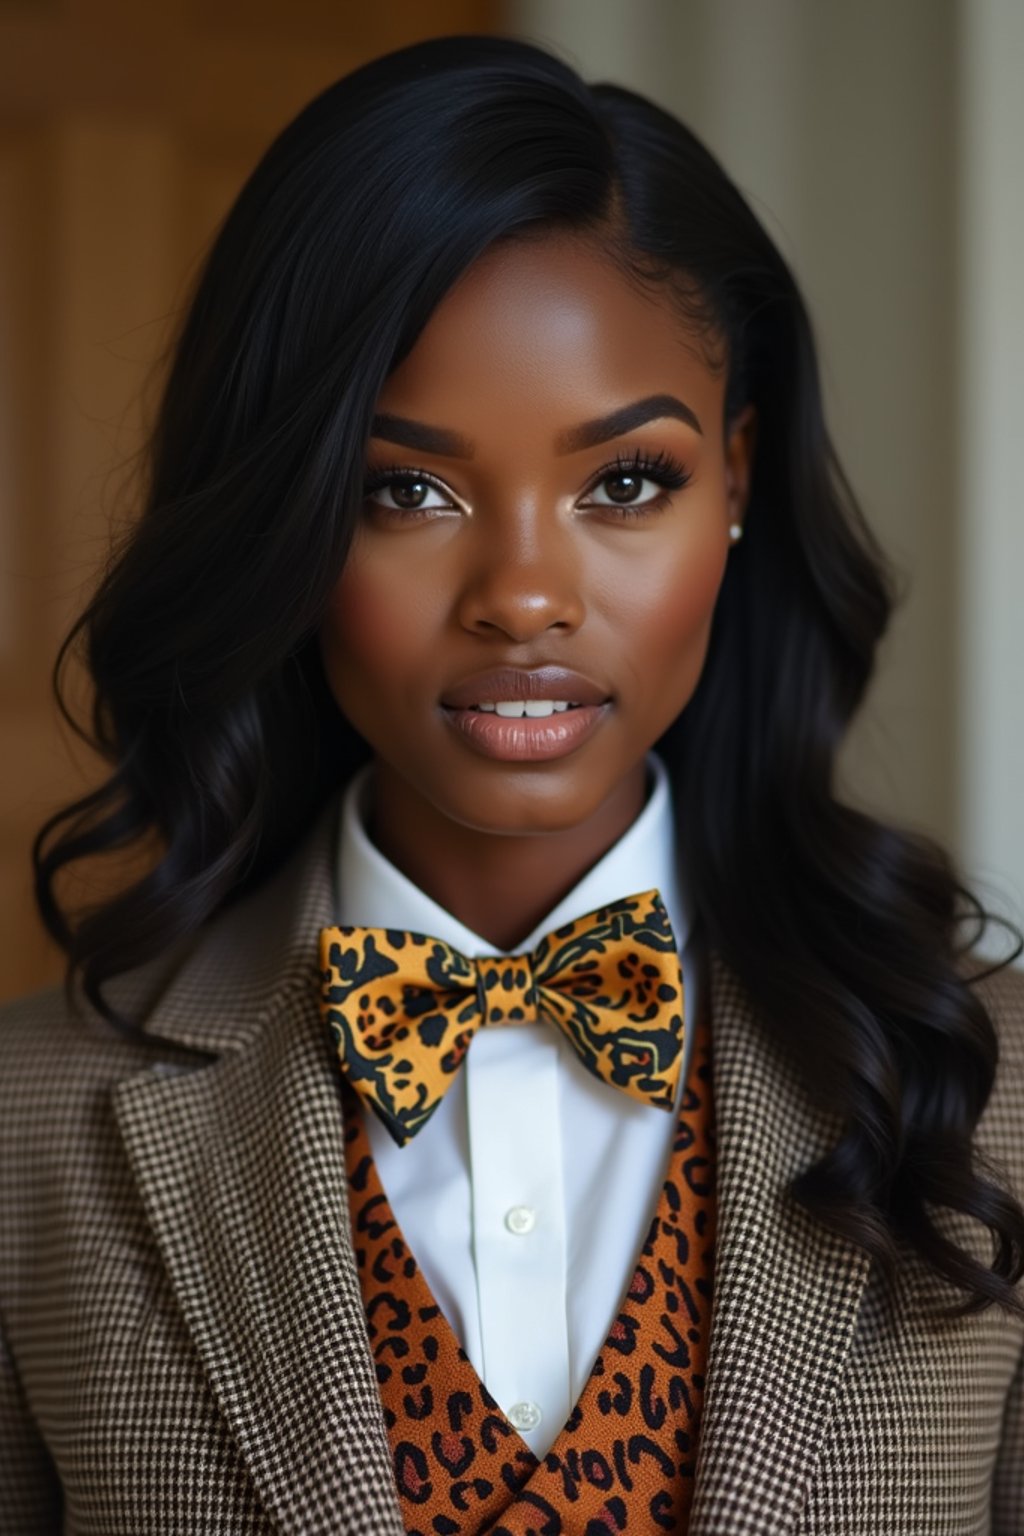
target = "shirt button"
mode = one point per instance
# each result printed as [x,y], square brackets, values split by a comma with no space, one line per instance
[520,1219]
[524,1415]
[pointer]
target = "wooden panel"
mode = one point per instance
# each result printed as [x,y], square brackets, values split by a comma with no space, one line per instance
[358,27]
[114,271]
[24,329]
[14,196]
[228,78]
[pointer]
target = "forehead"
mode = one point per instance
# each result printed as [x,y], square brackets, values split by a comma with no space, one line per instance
[546,331]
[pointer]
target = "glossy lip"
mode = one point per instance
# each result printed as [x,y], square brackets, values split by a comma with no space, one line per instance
[526,740]
[503,683]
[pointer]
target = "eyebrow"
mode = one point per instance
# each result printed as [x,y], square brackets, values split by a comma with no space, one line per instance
[449,444]
[417,434]
[653,408]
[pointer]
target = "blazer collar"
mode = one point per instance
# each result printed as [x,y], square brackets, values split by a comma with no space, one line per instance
[240,1165]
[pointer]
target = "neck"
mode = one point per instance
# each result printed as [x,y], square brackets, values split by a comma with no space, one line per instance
[498,885]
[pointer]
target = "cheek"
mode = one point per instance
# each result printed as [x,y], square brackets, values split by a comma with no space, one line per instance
[672,597]
[378,620]
[689,617]
[668,611]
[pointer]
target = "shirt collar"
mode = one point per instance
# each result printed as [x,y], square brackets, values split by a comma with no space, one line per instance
[371,892]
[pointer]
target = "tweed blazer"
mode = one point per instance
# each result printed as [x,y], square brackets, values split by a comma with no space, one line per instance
[183,1344]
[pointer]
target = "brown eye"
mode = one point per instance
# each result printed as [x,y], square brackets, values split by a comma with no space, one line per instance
[408,494]
[638,483]
[623,488]
[405,491]
[631,492]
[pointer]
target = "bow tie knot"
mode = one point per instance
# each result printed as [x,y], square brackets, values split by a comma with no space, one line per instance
[404,1007]
[506,989]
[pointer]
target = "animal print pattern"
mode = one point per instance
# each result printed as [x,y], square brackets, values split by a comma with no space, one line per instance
[625,1458]
[403,1007]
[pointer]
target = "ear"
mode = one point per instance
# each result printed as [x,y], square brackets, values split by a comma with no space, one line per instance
[740,440]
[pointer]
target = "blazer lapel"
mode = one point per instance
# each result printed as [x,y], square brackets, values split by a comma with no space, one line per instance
[240,1164]
[786,1292]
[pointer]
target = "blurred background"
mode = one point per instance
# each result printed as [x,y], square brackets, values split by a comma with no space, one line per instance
[880,143]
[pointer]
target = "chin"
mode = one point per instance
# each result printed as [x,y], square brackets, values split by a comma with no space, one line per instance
[532,810]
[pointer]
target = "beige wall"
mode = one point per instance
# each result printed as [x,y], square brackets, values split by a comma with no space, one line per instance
[990,527]
[881,145]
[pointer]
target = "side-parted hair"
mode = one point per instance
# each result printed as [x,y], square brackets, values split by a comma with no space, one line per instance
[210,703]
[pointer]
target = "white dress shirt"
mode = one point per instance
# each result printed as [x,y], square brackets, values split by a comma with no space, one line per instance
[527,1196]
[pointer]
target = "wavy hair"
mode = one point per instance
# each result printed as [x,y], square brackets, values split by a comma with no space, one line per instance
[210,705]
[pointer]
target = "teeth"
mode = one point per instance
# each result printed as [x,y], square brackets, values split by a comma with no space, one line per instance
[534,709]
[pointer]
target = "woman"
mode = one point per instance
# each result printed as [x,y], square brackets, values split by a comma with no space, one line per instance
[521,1096]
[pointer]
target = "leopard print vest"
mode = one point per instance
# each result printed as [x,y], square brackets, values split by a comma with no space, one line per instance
[625,1458]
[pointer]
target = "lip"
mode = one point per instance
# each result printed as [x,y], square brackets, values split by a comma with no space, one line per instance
[526,740]
[501,683]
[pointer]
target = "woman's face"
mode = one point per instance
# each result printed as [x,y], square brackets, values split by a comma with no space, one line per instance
[546,527]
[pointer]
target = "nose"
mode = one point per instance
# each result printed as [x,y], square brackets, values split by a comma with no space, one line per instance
[523,579]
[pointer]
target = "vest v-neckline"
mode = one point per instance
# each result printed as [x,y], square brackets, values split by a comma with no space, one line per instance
[670,1281]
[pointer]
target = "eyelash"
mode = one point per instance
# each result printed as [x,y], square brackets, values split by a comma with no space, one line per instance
[660,467]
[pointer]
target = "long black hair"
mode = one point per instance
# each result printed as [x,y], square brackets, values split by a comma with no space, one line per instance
[210,703]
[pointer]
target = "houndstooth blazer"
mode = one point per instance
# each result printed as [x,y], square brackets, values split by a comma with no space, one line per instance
[183,1343]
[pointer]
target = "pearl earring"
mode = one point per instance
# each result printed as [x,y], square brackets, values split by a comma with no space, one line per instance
[735,532]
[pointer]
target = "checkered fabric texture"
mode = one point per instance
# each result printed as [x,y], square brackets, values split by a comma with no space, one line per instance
[182,1341]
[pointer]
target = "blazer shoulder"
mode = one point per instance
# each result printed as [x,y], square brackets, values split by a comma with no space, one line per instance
[58,1055]
[1002,992]
[52,1022]
[1001,1128]
[42,1033]
[54,1064]
[61,1159]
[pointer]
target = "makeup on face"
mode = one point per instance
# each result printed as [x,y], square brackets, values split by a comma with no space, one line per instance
[526,715]
[527,603]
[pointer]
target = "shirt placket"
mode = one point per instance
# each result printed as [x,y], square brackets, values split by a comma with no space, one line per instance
[519,1226]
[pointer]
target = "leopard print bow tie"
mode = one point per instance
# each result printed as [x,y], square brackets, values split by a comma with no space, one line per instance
[403,1008]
